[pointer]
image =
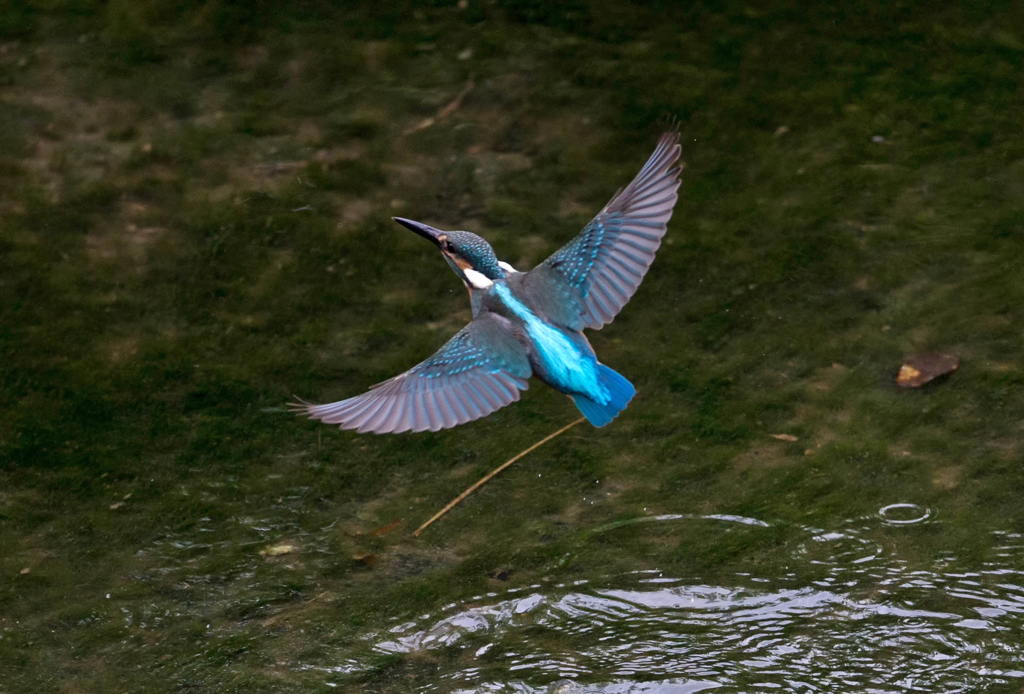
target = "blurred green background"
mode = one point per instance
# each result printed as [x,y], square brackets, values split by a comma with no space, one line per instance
[195,203]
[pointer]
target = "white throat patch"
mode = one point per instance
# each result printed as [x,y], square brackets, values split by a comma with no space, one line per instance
[477,279]
[506,267]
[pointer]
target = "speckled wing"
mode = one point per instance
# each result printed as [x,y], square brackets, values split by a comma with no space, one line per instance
[597,273]
[478,371]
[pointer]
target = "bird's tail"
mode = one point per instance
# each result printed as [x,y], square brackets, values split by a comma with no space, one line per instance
[620,391]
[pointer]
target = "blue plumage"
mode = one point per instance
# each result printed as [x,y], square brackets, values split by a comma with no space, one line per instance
[556,358]
[529,323]
[620,392]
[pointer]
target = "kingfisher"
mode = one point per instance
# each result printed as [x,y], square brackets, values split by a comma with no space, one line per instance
[528,323]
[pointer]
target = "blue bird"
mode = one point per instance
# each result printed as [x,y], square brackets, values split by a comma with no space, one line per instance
[528,323]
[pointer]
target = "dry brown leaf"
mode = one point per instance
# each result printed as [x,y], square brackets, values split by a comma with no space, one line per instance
[923,368]
[385,529]
[784,437]
[368,558]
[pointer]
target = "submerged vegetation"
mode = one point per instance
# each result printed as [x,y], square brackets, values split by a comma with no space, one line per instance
[195,203]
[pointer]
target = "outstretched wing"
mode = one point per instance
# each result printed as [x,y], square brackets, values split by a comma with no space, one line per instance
[478,371]
[596,273]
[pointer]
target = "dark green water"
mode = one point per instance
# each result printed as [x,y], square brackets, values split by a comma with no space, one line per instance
[195,204]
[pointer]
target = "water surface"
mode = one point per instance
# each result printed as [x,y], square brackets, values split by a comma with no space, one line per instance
[195,204]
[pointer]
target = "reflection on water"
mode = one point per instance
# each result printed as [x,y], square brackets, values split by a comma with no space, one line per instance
[867,623]
[903,514]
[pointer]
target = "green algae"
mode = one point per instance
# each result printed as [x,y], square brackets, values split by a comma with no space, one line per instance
[194,227]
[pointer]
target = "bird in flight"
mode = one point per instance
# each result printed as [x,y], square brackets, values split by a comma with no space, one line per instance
[528,323]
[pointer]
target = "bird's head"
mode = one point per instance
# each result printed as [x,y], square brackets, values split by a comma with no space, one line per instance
[469,256]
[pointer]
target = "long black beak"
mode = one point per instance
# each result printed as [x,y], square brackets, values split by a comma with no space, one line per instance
[424,230]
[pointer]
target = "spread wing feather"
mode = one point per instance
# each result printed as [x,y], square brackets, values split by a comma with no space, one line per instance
[602,267]
[478,371]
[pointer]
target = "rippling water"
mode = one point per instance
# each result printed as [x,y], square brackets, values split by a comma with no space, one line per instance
[868,623]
